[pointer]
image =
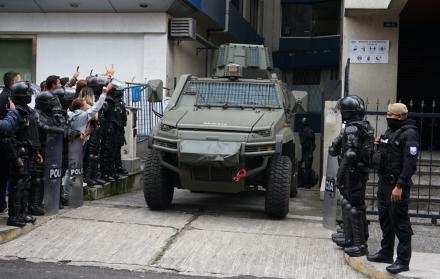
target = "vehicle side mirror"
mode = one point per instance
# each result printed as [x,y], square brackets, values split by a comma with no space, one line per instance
[155,91]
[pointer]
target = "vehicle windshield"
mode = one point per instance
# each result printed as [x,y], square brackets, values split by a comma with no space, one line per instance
[234,94]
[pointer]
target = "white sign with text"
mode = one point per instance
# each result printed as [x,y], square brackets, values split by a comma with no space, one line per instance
[369,51]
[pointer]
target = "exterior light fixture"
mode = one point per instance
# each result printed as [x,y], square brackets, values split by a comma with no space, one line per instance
[74,4]
[143,5]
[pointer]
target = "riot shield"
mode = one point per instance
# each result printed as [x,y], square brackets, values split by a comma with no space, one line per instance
[52,170]
[73,189]
[330,194]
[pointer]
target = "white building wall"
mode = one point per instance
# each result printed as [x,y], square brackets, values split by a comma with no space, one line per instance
[372,81]
[136,43]
[60,54]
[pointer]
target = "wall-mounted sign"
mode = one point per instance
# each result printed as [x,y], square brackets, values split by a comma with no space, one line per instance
[369,51]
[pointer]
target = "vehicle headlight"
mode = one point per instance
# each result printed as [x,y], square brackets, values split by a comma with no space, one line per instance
[166,128]
[263,133]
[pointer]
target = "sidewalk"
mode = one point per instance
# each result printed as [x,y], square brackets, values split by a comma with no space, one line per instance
[8,233]
[425,261]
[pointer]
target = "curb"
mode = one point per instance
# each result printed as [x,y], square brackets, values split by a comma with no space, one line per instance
[126,184]
[8,233]
[360,265]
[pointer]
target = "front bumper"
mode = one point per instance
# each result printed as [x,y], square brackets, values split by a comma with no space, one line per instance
[247,149]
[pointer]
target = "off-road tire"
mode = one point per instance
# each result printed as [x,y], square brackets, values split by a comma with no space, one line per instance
[278,187]
[158,187]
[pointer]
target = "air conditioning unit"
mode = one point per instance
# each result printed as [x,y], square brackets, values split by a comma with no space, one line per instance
[183,28]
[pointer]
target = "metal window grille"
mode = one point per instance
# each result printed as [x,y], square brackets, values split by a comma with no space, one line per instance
[234,94]
[148,115]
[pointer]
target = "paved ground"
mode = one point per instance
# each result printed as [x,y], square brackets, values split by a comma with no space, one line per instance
[202,235]
[425,257]
[19,269]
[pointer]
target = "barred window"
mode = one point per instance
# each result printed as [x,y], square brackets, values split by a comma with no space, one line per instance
[306,76]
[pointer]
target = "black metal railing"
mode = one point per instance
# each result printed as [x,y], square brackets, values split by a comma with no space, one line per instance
[425,193]
[148,114]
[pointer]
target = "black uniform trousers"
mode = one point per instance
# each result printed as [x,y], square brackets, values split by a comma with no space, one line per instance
[394,221]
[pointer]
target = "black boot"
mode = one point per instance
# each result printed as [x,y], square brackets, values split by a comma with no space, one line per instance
[347,241]
[91,169]
[121,171]
[337,236]
[15,195]
[397,267]
[25,202]
[118,163]
[380,257]
[36,196]
[16,221]
[359,247]
[29,219]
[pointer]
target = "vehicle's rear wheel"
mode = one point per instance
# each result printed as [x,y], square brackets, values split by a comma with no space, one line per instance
[278,187]
[158,187]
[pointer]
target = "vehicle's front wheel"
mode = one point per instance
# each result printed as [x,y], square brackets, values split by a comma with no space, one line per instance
[158,187]
[278,187]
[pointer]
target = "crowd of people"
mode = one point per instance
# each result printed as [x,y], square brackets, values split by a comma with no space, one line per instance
[394,156]
[89,110]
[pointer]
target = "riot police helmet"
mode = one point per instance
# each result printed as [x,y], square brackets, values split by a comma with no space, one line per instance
[22,92]
[97,82]
[117,88]
[304,121]
[65,95]
[352,108]
[47,102]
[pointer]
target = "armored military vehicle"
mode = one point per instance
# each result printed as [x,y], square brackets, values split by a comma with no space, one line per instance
[229,133]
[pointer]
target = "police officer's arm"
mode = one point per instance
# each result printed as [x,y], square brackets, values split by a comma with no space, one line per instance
[8,123]
[335,148]
[9,145]
[350,154]
[410,155]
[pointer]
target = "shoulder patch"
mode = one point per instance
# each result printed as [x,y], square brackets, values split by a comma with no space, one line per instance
[413,150]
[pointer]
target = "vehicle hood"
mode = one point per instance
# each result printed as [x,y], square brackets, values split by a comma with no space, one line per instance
[228,120]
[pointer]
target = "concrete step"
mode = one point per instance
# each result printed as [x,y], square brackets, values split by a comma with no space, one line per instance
[133,181]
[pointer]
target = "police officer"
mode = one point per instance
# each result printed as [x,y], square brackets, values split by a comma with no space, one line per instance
[354,146]
[92,167]
[108,121]
[50,116]
[121,122]
[9,79]
[22,149]
[307,140]
[396,160]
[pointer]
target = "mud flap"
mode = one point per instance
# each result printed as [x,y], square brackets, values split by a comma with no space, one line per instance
[52,171]
[330,194]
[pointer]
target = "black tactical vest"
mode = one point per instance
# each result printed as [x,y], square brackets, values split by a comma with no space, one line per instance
[391,150]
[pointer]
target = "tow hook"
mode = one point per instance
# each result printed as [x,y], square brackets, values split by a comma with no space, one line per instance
[242,173]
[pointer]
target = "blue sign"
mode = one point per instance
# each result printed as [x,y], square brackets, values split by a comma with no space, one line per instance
[136,93]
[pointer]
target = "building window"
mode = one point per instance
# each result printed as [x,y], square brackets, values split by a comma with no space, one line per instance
[306,76]
[16,55]
[312,19]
